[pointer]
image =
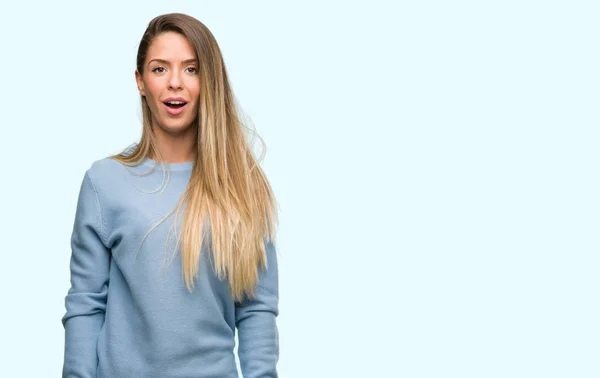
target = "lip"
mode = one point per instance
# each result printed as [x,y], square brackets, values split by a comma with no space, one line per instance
[174,111]
[175,99]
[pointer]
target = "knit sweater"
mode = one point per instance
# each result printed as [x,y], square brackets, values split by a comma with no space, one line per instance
[129,313]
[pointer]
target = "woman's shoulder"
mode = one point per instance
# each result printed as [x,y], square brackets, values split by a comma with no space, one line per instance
[109,169]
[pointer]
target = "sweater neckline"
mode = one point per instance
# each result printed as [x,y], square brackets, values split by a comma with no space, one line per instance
[185,166]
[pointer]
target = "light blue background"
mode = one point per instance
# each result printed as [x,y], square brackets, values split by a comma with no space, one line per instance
[435,162]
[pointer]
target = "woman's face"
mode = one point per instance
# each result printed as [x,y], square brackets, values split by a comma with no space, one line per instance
[170,82]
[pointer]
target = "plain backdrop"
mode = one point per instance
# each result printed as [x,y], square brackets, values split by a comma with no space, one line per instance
[435,164]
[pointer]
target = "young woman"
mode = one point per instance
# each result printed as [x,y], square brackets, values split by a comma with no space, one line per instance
[135,310]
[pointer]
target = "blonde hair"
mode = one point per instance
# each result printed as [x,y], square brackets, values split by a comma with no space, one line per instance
[228,201]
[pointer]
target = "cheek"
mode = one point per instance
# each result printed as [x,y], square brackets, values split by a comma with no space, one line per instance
[152,91]
[194,88]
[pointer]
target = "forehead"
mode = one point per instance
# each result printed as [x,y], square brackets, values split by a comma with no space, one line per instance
[170,46]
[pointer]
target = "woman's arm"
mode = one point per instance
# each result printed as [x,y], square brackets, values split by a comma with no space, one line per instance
[85,302]
[258,348]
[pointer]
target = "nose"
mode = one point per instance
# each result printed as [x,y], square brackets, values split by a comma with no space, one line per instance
[175,81]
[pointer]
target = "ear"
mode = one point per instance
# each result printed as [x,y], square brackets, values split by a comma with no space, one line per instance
[140,83]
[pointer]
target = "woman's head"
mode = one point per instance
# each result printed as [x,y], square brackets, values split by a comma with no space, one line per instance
[180,74]
[169,82]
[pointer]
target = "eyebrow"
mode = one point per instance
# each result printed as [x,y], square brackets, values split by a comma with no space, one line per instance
[163,61]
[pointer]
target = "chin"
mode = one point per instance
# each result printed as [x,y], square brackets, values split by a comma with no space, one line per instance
[175,127]
[178,129]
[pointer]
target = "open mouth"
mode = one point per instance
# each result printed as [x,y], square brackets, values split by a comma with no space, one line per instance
[175,104]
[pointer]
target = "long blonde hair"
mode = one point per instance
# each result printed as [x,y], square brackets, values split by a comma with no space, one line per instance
[228,192]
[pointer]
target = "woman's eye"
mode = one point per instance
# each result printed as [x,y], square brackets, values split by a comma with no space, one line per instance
[158,69]
[192,69]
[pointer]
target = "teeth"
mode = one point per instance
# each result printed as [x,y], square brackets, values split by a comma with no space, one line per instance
[175,102]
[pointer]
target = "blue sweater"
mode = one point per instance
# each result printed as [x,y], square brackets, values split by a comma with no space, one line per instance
[131,316]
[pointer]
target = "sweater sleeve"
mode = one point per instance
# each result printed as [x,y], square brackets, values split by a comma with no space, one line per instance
[258,348]
[85,302]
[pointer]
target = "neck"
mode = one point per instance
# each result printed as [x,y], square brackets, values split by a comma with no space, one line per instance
[176,148]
